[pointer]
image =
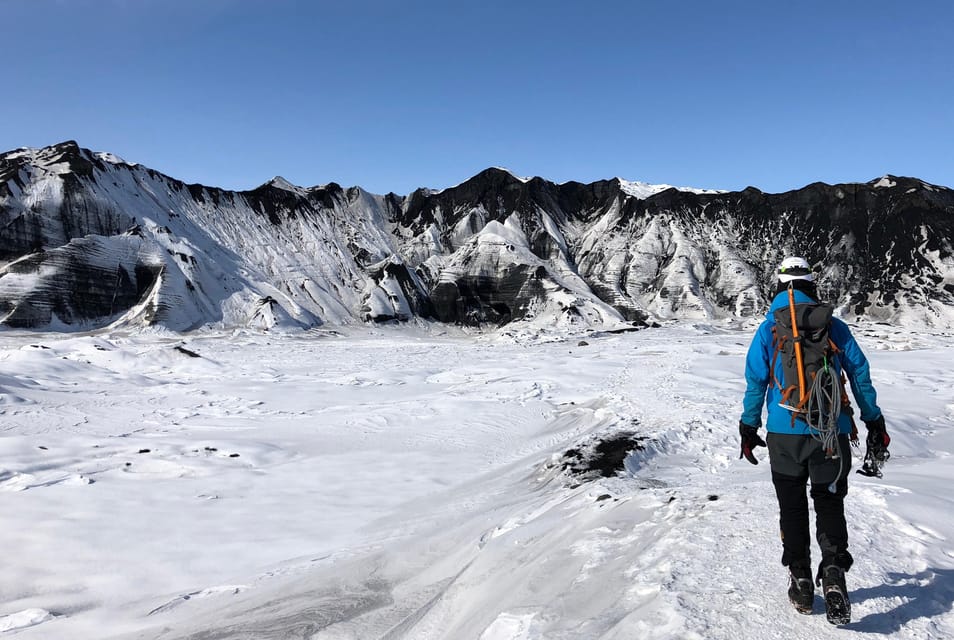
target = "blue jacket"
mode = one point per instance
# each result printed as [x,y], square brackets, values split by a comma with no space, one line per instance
[761,388]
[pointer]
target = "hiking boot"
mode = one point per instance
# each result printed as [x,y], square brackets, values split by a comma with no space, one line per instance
[837,606]
[801,590]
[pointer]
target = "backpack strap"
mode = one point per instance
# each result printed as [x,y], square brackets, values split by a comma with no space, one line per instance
[779,343]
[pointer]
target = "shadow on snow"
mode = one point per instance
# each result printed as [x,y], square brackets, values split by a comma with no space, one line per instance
[927,594]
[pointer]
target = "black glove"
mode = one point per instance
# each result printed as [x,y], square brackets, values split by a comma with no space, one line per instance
[750,440]
[877,448]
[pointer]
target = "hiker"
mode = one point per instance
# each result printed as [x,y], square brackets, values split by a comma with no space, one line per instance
[797,364]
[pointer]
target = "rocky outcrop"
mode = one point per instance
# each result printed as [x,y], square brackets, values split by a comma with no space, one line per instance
[88,240]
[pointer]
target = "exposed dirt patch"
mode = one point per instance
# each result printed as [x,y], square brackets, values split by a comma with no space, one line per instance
[602,456]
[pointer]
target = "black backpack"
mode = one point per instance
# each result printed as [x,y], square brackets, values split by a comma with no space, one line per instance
[810,385]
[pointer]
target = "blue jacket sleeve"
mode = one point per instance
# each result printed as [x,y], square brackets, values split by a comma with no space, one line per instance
[856,367]
[756,375]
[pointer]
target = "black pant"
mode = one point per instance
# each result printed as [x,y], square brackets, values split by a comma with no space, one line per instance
[795,460]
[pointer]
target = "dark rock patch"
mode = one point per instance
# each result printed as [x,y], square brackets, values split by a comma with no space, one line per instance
[417,297]
[602,457]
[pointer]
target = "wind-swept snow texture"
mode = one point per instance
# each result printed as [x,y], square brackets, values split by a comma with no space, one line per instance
[88,240]
[401,483]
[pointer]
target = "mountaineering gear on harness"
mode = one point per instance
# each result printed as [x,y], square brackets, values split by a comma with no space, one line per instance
[876,453]
[750,440]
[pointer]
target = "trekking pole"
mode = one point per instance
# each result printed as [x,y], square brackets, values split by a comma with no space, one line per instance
[797,339]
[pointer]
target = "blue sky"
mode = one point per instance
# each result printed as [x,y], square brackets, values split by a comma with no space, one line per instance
[395,95]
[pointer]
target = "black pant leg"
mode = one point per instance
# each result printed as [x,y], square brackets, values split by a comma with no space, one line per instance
[793,519]
[831,527]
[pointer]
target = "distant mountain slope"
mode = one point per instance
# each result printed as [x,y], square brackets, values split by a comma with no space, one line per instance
[88,240]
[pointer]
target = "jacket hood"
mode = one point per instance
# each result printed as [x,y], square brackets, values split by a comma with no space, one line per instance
[781,301]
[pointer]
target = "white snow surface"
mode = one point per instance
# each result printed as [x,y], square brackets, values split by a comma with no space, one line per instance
[885,182]
[642,190]
[405,482]
[113,158]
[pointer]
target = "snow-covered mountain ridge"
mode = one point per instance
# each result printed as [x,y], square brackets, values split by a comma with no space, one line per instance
[89,240]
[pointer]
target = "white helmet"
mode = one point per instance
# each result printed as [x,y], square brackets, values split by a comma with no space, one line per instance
[795,269]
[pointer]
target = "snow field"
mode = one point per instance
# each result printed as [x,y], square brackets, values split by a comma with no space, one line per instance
[404,483]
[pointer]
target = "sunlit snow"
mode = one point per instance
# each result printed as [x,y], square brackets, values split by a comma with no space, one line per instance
[406,482]
[885,182]
[643,190]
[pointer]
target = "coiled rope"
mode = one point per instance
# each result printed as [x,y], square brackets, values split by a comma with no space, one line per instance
[821,416]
